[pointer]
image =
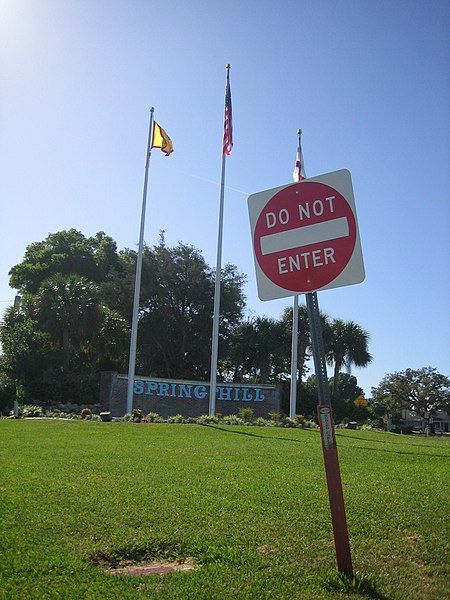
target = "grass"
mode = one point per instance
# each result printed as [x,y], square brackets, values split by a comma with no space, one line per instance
[248,503]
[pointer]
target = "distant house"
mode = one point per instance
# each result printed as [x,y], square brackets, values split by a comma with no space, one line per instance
[439,422]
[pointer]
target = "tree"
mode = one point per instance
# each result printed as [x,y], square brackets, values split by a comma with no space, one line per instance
[176,305]
[347,391]
[78,293]
[304,340]
[27,352]
[109,347]
[259,350]
[424,391]
[66,252]
[68,308]
[347,345]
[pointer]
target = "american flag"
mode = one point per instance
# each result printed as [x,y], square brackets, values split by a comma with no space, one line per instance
[299,170]
[228,120]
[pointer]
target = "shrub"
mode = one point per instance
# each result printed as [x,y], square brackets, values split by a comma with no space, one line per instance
[232,420]
[31,410]
[246,414]
[7,394]
[85,413]
[299,420]
[72,415]
[274,416]
[261,422]
[310,424]
[189,420]
[154,418]
[175,419]
[136,415]
[366,427]
[207,420]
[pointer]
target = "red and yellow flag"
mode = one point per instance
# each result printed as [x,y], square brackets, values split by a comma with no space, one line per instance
[161,140]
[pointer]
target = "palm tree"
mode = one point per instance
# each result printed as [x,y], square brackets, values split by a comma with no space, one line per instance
[259,349]
[304,341]
[346,344]
[68,308]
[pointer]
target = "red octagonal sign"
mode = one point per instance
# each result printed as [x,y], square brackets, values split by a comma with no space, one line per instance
[305,236]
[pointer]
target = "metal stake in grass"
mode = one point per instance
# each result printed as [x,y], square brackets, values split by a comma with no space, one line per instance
[330,455]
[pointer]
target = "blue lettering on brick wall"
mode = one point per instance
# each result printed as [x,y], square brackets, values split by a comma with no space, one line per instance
[185,391]
[246,395]
[259,397]
[223,393]
[200,392]
[163,389]
[138,387]
[150,388]
[181,390]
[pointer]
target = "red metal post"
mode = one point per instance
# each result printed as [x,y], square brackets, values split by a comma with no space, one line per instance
[335,493]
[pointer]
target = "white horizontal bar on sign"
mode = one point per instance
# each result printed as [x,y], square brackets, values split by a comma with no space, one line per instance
[304,236]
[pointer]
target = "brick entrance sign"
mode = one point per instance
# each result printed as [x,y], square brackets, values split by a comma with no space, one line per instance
[169,397]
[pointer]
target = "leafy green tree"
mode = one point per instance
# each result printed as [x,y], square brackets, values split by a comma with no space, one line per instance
[27,352]
[347,345]
[260,350]
[67,307]
[67,253]
[304,346]
[347,390]
[307,398]
[176,307]
[304,342]
[78,293]
[108,349]
[422,390]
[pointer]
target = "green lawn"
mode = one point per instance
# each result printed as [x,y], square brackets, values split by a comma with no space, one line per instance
[249,503]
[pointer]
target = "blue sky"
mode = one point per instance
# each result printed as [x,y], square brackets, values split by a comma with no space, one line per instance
[368,83]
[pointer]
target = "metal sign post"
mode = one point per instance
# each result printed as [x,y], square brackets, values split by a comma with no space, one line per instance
[306,238]
[329,448]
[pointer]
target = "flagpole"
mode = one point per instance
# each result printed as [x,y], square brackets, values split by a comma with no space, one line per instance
[216,311]
[294,359]
[137,282]
[294,349]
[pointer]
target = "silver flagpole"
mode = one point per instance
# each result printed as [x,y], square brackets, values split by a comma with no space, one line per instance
[137,282]
[216,313]
[294,360]
[294,350]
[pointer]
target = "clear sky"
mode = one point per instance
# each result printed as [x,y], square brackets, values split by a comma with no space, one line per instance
[368,83]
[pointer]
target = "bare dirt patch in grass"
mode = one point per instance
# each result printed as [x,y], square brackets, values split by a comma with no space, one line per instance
[155,567]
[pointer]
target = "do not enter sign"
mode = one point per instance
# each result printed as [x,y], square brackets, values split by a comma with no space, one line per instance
[305,236]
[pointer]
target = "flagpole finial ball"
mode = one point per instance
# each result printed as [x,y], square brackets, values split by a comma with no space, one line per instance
[228,66]
[152,108]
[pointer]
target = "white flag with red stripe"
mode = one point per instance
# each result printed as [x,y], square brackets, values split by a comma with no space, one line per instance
[299,170]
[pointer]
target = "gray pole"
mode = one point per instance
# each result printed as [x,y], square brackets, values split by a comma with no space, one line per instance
[294,359]
[137,282]
[216,312]
[294,348]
